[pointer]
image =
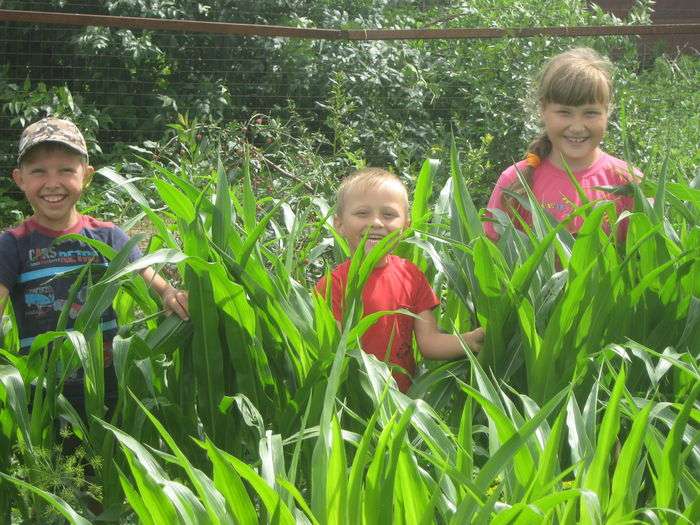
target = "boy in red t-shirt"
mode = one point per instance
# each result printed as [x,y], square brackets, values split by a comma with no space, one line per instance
[374,199]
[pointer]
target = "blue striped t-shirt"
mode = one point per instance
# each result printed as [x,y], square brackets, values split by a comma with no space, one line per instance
[39,273]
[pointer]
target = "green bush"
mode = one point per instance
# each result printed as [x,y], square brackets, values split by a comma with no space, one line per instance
[660,105]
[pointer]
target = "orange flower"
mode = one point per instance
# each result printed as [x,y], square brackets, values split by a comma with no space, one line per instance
[533,160]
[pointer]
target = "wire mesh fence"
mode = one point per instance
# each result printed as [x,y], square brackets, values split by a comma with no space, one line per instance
[130,82]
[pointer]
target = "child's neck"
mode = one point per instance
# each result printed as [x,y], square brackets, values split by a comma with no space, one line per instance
[60,224]
[381,263]
[575,164]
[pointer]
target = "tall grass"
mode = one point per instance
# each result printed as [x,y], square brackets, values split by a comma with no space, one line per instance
[582,407]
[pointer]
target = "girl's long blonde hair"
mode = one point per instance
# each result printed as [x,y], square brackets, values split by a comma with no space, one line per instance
[573,78]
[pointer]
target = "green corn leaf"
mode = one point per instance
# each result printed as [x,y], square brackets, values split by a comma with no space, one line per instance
[360,460]
[622,501]
[271,500]
[102,248]
[520,513]
[420,208]
[272,461]
[230,485]
[467,216]
[431,509]
[323,447]
[92,360]
[287,485]
[513,441]
[163,256]
[15,397]
[549,502]
[487,509]
[190,191]
[255,233]
[420,212]
[125,184]
[381,474]
[222,228]
[175,200]
[57,503]
[207,364]
[465,455]
[412,498]
[336,485]
[128,186]
[597,477]
[209,496]
[692,511]
[670,464]
[135,500]
[622,116]
[153,485]
[549,461]
[660,197]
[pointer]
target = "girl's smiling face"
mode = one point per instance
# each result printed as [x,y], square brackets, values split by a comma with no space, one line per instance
[575,132]
[377,211]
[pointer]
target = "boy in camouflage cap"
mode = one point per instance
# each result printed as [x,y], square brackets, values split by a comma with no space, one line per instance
[36,272]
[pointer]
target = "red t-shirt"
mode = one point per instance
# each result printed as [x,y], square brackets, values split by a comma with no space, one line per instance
[398,284]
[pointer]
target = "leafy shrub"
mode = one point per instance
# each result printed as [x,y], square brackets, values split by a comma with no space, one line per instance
[20,105]
[659,105]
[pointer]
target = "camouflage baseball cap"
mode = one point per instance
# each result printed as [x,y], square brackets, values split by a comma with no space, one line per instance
[51,129]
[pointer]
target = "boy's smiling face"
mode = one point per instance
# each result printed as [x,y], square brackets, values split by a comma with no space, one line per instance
[52,181]
[379,210]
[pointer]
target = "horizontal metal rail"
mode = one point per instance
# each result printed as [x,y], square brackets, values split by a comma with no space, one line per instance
[252,30]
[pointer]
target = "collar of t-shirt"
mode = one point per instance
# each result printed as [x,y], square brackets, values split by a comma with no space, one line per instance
[33,225]
[555,170]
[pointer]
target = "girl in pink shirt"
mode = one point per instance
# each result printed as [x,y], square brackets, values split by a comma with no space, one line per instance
[574,95]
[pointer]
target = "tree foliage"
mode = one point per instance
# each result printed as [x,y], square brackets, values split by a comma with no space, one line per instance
[379,102]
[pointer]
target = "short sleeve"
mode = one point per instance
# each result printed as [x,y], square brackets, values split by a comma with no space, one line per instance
[496,200]
[9,260]
[626,202]
[119,240]
[424,295]
[336,295]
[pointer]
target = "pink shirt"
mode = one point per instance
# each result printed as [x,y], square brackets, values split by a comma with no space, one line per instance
[558,196]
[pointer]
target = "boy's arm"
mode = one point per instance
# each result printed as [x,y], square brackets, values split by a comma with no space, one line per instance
[173,299]
[434,344]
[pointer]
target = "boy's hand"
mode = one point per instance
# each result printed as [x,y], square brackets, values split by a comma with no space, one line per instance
[173,299]
[435,345]
[176,301]
[474,339]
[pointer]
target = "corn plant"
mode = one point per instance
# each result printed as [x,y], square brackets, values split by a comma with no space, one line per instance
[582,407]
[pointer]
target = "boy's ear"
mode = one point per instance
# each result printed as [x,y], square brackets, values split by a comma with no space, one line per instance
[17,177]
[87,177]
[337,222]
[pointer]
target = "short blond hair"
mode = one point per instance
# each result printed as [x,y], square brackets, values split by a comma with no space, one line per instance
[363,180]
